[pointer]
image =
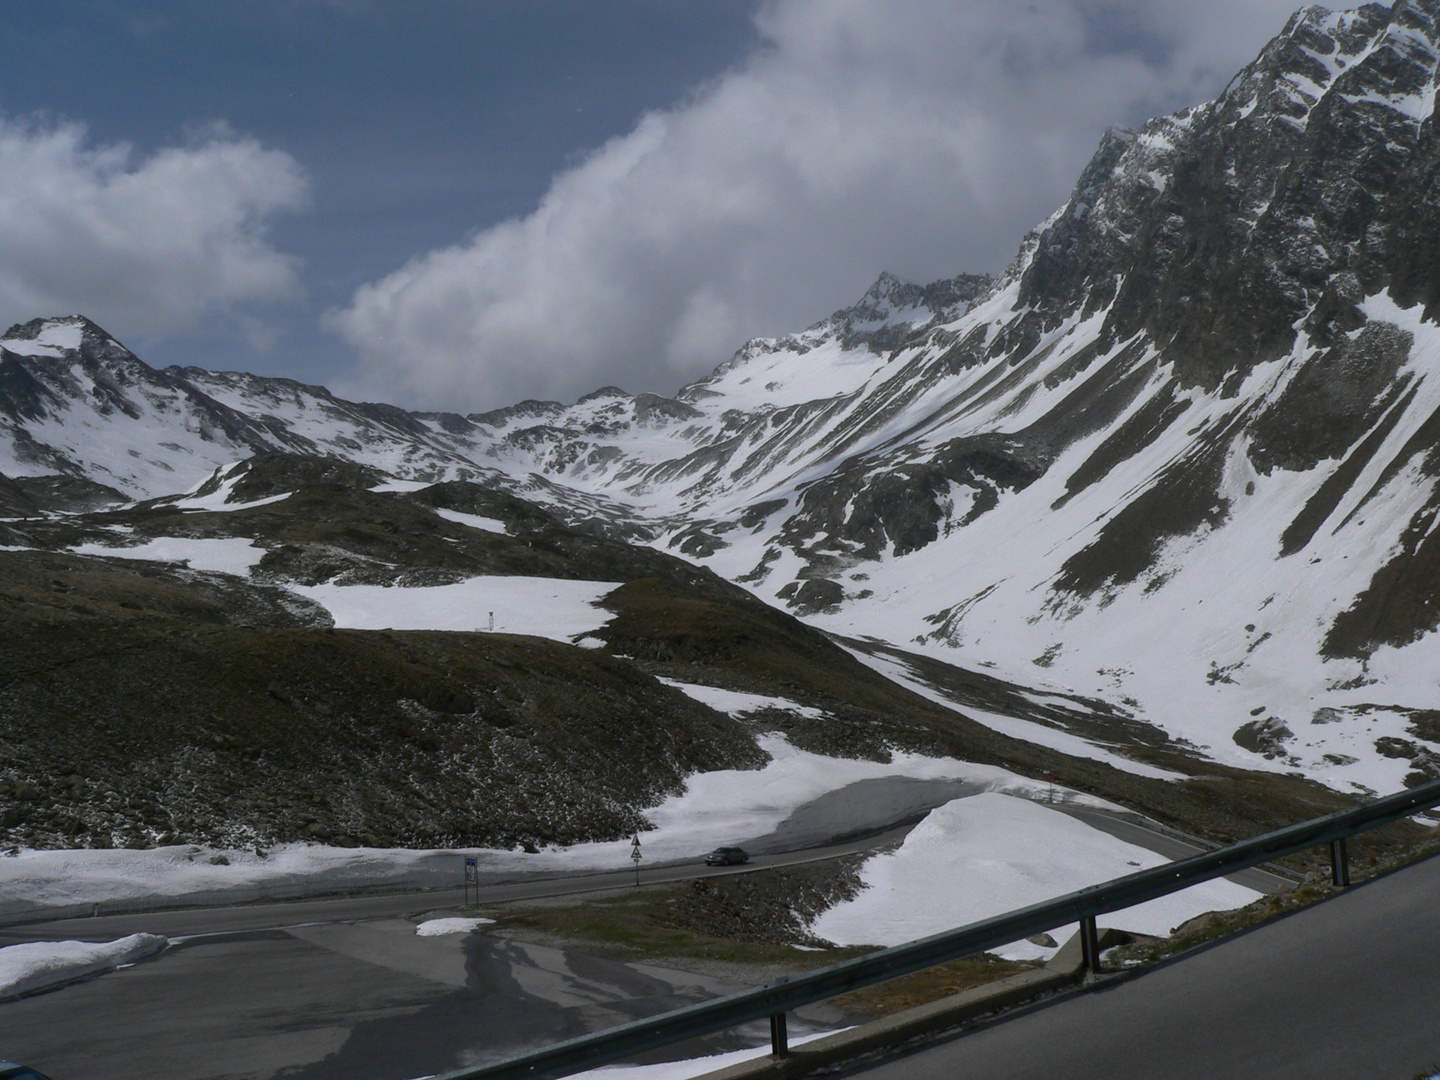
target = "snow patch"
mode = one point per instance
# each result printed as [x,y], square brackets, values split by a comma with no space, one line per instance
[230,555]
[1026,730]
[979,857]
[55,339]
[440,927]
[229,476]
[543,607]
[737,702]
[403,487]
[475,521]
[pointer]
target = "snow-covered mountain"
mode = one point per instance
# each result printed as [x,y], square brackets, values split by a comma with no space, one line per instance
[1182,455]
[76,403]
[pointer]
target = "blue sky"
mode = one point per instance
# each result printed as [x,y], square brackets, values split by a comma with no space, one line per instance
[457,204]
[416,124]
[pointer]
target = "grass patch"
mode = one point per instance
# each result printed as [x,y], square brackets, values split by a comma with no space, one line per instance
[651,923]
[929,985]
[135,713]
[744,927]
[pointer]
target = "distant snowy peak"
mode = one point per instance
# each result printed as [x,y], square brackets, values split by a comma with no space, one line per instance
[890,311]
[49,337]
[893,310]
[894,305]
[75,402]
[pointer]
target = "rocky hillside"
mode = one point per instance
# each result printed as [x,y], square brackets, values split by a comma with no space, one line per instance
[297,650]
[1180,457]
[168,678]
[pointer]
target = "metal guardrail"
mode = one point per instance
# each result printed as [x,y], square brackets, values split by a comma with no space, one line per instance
[776,999]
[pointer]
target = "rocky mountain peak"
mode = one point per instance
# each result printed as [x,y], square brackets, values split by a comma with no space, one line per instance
[55,336]
[891,308]
[1305,187]
[604,393]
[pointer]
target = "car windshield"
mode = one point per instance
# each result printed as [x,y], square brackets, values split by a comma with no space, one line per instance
[21,1073]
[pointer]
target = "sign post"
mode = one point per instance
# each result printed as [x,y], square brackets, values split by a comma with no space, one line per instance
[472,877]
[635,857]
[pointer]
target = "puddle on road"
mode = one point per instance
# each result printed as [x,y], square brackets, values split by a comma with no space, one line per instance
[522,997]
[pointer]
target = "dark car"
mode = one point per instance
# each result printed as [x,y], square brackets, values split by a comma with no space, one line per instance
[721,856]
[10,1071]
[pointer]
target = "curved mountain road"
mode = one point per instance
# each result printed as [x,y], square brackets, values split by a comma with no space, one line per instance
[1345,990]
[248,918]
[899,803]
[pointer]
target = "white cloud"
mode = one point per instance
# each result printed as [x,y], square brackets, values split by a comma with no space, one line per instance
[143,245]
[862,135]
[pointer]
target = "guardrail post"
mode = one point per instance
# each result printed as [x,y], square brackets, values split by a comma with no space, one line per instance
[1339,863]
[1090,943]
[779,1045]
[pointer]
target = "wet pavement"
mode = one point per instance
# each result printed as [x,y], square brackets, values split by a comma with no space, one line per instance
[346,1001]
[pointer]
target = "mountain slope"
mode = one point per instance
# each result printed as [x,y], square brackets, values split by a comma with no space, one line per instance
[262,661]
[1181,457]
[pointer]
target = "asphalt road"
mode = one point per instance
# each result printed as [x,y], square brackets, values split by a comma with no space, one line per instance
[341,1001]
[1344,990]
[246,918]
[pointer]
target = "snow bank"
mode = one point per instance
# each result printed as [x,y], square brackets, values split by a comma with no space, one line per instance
[983,856]
[732,805]
[544,607]
[40,965]
[441,927]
